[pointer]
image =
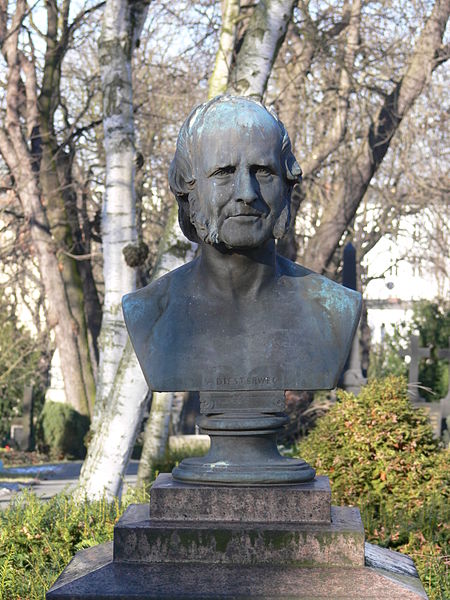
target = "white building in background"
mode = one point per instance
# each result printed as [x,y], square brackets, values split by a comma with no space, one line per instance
[398,281]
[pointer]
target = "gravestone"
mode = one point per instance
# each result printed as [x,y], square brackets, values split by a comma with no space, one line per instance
[352,380]
[21,427]
[416,354]
[437,411]
[241,325]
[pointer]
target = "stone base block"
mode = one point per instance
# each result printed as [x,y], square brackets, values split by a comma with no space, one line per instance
[339,543]
[297,503]
[93,575]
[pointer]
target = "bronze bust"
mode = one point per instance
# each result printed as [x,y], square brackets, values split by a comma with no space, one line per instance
[238,317]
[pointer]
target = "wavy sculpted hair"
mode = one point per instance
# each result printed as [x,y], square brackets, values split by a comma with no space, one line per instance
[181,176]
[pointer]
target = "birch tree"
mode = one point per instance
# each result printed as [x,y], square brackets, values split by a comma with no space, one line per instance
[116,45]
[227,41]
[121,389]
[262,41]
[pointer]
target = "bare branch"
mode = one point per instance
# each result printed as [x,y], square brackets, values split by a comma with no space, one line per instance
[336,132]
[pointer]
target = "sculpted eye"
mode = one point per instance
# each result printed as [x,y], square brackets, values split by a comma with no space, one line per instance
[224,171]
[262,171]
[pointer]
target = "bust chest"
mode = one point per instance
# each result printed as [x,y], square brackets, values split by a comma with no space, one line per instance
[288,338]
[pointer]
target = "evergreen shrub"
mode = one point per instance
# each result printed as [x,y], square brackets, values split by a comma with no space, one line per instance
[61,431]
[38,539]
[380,455]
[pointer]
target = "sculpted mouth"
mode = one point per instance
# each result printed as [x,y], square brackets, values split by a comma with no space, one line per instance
[246,215]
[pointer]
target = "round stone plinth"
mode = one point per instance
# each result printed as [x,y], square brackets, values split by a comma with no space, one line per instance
[236,459]
[282,472]
[243,450]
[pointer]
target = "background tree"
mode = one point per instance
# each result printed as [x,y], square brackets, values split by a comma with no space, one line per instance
[336,45]
[40,164]
[355,81]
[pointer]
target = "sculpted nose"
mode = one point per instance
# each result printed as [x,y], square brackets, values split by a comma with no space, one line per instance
[246,188]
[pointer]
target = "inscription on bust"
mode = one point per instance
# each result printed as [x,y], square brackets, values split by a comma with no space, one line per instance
[225,381]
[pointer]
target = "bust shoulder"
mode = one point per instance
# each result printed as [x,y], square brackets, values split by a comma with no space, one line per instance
[336,298]
[185,340]
[143,308]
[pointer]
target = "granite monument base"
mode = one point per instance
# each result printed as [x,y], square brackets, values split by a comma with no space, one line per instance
[222,542]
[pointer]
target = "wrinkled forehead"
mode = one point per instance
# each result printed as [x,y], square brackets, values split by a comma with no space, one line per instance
[236,126]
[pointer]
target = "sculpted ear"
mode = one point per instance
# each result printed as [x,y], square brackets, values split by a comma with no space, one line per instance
[185,218]
[282,224]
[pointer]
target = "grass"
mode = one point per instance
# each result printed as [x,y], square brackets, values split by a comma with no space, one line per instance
[423,535]
[38,539]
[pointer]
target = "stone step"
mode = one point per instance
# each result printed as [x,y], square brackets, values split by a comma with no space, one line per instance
[142,540]
[93,575]
[296,503]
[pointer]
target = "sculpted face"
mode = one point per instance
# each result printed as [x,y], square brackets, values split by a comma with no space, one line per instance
[240,194]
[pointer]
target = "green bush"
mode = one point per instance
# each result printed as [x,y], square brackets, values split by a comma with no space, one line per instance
[38,539]
[380,455]
[61,431]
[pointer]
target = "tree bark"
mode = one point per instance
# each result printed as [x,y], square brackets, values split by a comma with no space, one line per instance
[21,100]
[348,194]
[122,23]
[218,82]
[121,388]
[263,38]
[156,436]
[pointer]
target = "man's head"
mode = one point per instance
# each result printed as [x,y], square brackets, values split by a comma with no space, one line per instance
[233,173]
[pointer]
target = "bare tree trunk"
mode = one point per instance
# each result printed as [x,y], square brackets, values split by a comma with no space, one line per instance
[55,202]
[110,450]
[118,217]
[335,133]
[22,163]
[119,405]
[59,316]
[427,55]
[218,82]
[156,435]
[263,38]
[55,179]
